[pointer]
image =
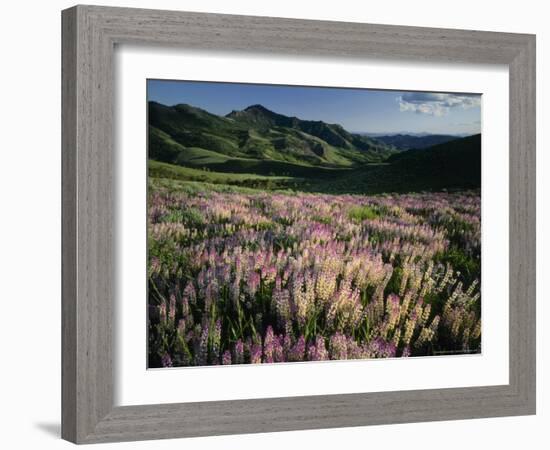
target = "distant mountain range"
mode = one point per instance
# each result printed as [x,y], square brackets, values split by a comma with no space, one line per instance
[407,141]
[309,155]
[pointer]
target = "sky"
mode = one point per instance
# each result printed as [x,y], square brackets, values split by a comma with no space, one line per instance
[357,110]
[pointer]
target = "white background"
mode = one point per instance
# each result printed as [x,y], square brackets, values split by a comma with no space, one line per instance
[30,225]
[134,385]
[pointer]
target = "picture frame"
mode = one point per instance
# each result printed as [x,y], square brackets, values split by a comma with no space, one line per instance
[89,37]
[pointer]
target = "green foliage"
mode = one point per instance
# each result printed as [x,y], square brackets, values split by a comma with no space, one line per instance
[187,216]
[469,267]
[366,212]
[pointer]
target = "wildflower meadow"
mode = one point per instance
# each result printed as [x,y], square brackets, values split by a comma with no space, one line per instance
[269,277]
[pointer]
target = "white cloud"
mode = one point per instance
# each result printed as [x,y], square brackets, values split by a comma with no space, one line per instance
[435,104]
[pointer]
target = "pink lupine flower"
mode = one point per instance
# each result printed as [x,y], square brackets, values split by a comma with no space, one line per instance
[202,351]
[162,312]
[181,328]
[166,360]
[216,339]
[239,352]
[278,350]
[172,308]
[287,345]
[235,291]
[281,300]
[253,283]
[256,354]
[226,358]
[338,346]
[318,352]
[297,351]
[190,294]
[269,345]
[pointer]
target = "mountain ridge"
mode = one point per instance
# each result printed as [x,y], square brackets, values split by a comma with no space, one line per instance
[409,141]
[289,152]
[259,133]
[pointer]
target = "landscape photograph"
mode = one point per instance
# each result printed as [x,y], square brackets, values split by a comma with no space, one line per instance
[292,224]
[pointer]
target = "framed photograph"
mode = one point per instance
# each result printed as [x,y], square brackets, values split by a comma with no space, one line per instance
[279,224]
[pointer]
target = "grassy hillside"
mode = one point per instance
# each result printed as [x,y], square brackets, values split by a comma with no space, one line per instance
[259,149]
[255,134]
[407,141]
[453,165]
[159,170]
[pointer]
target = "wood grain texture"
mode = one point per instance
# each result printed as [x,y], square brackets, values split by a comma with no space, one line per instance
[68,225]
[89,36]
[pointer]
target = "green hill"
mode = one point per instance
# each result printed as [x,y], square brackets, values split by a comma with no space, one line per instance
[453,165]
[407,141]
[186,135]
[258,148]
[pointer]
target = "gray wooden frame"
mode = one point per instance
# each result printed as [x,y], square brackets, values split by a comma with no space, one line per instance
[89,36]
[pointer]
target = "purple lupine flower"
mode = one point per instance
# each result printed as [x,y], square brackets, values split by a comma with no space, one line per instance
[253,282]
[210,295]
[172,308]
[226,358]
[353,349]
[255,354]
[162,312]
[216,341]
[154,265]
[318,351]
[278,351]
[281,300]
[225,273]
[181,328]
[190,293]
[185,311]
[269,345]
[201,357]
[166,360]
[379,348]
[287,345]
[338,346]
[239,352]
[235,291]
[297,352]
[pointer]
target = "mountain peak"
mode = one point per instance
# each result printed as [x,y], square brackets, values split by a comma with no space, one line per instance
[258,107]
[259,115]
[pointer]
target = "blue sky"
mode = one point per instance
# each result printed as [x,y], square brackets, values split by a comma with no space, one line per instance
[359,110]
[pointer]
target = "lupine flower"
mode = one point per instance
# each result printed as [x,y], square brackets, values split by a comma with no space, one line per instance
[202,351]
[226,358]
[269,345]
[297,352]
[190,294]
[256,354]
[162,312]
[181,328]
[338,346]
[216,339]
[172,308]
[318,351]
[166,360]
[253,283]
[239,352]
